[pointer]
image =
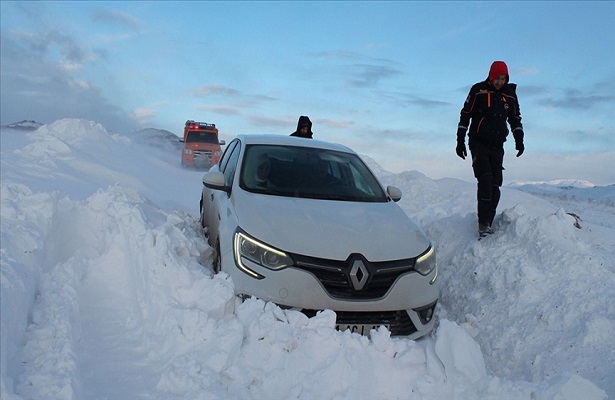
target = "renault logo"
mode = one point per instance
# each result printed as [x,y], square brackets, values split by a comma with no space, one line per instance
[358,274]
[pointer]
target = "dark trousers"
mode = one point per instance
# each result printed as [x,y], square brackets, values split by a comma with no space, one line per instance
[487,165]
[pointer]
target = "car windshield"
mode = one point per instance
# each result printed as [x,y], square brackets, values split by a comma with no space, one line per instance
[306,172]
[202,137]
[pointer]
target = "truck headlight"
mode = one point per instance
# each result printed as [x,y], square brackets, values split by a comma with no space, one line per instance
[187,151]
[426,262]
[248,250]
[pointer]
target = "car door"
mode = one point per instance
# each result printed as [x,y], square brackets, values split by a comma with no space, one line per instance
[219,198]
[209,211]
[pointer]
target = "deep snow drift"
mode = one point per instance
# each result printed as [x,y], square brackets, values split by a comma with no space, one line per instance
[108,292]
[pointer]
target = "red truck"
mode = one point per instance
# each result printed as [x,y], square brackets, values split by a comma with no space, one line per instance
[201,144]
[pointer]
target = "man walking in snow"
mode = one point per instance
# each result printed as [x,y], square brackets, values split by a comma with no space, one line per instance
[489,105]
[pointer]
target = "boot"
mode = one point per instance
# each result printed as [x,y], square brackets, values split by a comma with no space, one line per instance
[484,230]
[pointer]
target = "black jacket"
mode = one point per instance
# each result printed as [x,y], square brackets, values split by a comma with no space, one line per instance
[489,110]
[303,121]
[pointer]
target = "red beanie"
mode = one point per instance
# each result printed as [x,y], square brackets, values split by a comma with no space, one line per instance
[498,68]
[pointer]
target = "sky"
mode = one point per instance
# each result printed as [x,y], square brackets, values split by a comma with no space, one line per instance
[107,289]
[387,78]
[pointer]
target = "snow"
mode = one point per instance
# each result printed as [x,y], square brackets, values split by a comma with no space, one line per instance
[107,288]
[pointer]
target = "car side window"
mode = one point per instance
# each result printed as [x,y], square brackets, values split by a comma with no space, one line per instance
[231,165]
[227,153]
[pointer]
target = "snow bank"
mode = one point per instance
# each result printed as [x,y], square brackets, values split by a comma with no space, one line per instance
[108,292]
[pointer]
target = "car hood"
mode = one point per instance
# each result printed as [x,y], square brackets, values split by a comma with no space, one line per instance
[331,229]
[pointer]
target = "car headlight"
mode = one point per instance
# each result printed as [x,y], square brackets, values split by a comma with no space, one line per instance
[426,262]
[249,249]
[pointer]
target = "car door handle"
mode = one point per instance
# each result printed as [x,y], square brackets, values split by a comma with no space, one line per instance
[212,197]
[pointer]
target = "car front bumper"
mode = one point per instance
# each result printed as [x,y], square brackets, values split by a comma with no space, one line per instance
[407,307]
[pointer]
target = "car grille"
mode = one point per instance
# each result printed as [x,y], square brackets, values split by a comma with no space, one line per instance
[399,322]
[335,276]
[202,157]
[202,153]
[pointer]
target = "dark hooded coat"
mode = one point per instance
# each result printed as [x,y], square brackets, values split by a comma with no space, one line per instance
[304,120]
[489,111]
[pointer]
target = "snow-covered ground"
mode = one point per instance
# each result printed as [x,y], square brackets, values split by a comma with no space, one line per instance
[108,292]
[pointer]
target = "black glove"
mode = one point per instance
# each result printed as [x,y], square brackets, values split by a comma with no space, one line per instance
[519,147]
[461,145]
[461,149]
[518,135]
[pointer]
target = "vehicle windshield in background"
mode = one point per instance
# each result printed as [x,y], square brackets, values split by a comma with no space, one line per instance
[309,173]
[202,137]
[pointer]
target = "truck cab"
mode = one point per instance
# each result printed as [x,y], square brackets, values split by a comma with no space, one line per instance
[201,145]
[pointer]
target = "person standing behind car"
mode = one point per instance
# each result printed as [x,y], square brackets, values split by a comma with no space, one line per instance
[304,128]
[489,106]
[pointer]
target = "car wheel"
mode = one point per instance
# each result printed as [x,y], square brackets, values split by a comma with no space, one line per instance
[202,221]
[217,258]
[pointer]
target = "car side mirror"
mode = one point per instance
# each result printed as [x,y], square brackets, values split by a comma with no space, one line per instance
[215,180]
[222,142]
[394,193]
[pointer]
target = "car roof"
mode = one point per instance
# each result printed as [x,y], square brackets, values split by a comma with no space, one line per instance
[285,140]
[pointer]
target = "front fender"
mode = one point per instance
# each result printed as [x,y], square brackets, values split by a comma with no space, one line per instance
[226,232]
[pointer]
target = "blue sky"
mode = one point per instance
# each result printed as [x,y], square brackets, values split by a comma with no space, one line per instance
[386,78]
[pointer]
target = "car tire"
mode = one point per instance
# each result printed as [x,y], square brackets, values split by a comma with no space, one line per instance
[201,220]
[217,258]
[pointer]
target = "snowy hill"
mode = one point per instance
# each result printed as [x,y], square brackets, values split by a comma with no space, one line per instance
[159,138]
[107,289]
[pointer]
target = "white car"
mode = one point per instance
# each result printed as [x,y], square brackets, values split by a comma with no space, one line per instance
[305,224]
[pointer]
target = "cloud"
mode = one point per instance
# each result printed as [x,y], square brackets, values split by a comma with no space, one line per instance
[408,136]
[40,82]
[585,98]
[222,110]
[144,113]
[366,75]
[337,54]
[53,46]
[578,99]
[334,123]
[364,71]
[533,90]
[267,122]
[115,17]
[262,97]
[213,90]
[346,55]
[525,71]
[407,99]
[423,102]
[572,139]
[227,96]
